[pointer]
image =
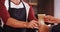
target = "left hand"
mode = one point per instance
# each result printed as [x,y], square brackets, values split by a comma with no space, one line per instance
[50,19]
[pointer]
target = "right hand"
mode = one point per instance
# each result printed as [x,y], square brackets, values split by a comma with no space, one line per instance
[32,24]
[43,28]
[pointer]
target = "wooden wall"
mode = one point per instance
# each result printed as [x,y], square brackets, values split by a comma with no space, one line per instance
[46,6]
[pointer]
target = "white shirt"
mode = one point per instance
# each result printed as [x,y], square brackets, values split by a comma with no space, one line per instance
[12,5]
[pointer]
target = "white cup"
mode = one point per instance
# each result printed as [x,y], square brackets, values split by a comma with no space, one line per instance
[41,19]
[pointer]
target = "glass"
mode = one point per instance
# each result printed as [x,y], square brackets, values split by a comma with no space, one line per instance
[41,19]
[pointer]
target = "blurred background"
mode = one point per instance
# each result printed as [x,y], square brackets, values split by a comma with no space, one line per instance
[48,7]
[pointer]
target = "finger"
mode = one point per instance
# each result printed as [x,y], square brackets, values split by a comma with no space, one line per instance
[35,24]
[32,26]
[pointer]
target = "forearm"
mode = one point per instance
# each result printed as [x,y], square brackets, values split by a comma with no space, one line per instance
[15,23]
[57,20]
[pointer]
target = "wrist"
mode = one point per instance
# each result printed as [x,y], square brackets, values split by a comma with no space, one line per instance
[26,25]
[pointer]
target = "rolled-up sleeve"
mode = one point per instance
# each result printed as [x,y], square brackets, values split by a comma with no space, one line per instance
[3,12]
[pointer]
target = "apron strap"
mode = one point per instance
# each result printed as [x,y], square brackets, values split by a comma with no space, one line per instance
[9,4]
[23,4]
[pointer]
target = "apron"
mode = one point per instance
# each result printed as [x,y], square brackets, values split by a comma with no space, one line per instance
[18,14]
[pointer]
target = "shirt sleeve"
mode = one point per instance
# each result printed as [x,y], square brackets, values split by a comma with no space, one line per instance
[3,13]
[31,15]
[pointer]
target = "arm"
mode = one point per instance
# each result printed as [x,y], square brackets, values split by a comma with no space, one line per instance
[15,23]
[51,19]
[3,13]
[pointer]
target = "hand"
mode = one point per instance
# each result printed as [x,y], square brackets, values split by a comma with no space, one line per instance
[44,28]
[32,24]
[50,19]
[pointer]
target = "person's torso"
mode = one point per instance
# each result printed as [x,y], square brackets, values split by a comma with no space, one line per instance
[18,14]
